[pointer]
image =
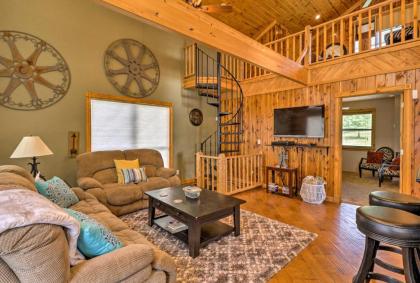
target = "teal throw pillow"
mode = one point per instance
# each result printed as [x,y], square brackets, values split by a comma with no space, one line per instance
[57,191]
[94,239]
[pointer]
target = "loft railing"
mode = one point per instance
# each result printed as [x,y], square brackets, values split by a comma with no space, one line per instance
[387,24]
[229,174]
[383,25]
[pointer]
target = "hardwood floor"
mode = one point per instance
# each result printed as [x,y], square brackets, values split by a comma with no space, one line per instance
[335,255]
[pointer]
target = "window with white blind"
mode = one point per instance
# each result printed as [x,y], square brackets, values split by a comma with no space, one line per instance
[118,125]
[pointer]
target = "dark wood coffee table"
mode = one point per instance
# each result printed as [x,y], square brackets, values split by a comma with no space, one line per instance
[200,215]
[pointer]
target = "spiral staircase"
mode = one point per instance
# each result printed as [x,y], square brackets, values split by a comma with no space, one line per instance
[223,91]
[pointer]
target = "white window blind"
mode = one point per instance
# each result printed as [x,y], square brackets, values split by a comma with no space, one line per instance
[120,125]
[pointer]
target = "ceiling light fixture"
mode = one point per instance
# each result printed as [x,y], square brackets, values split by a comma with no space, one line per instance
[317,17]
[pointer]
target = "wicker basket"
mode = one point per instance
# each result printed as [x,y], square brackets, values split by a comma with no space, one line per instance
[313,193]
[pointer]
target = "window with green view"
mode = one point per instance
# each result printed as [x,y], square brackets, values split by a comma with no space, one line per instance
[358,129]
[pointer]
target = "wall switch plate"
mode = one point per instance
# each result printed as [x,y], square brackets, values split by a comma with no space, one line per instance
[177,172]
[258,141]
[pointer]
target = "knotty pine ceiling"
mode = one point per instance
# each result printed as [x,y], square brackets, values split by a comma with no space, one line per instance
[252,16]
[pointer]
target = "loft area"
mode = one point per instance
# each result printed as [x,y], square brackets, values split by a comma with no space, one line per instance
[209,141]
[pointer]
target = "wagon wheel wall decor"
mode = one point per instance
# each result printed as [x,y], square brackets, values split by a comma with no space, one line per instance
[131,68]
[33,74]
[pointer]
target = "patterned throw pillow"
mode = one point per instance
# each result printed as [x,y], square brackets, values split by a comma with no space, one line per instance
[395,165]
[57,191]
[134,175]
[375,157]
[125,164]
[94,239]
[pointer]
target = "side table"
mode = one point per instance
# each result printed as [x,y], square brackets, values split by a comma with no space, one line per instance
[292,174]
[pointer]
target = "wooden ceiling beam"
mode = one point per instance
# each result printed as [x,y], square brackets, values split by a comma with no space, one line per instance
[265,30]
[182,18]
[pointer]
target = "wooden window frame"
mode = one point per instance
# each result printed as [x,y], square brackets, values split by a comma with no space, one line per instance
[125,99]
[356,112]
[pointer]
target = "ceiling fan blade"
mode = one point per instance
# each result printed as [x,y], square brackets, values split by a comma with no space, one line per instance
[217,8]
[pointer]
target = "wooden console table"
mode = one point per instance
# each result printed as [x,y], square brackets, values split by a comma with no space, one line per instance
[292,174]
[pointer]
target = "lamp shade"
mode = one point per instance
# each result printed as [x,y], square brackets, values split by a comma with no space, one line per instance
[31,146]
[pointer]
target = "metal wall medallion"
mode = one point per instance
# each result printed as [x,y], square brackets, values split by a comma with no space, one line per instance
[33,74]
[131,68]
[196,117]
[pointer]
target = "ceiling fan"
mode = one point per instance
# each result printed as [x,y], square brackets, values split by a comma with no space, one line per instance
[215,8]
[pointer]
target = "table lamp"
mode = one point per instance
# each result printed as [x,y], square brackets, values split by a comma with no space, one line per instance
[32,147]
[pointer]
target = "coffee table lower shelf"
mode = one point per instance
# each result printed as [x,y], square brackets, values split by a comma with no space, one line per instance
[209,232]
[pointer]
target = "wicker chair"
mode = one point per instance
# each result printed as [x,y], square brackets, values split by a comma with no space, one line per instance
[374,167]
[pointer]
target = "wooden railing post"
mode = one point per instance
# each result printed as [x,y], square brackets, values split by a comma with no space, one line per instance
[221,173]
[308,45]
[198,169]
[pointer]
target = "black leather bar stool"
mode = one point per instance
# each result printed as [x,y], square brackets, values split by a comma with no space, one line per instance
[395,200]
[394,227]
[399,201]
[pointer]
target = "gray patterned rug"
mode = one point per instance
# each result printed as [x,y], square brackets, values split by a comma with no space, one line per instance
[264,247]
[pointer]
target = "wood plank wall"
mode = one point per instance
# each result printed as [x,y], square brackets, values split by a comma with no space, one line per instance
[258,120]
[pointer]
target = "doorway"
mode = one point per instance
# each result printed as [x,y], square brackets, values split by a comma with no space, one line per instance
[370,146]
[406,137]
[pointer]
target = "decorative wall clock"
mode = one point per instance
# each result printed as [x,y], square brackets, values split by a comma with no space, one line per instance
[131,68]
[196,117]
[33,74]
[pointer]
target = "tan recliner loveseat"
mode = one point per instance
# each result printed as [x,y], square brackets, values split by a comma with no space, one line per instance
[97,175]
[39,253]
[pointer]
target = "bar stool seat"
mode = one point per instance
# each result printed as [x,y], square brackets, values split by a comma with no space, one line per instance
[390,226]
[395,200]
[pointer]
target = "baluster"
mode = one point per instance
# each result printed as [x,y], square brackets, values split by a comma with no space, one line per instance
[333,39]
[342,37]
[317,45]
[415,19]
[193,58]
[287,47]
[380,26]
[230,175]
[359,32]
[294,48]
[391,23]
[213,187]
[186,62]
[402,21]
[300,44]
[281,47]
[351,36]
[369,29]
[325,43]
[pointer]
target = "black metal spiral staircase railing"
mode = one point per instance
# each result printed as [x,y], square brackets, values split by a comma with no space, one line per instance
[222,90]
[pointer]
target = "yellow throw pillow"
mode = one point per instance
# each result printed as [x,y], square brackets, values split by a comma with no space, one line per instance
[125,164]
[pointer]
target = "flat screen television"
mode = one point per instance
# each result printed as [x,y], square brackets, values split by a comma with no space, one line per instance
[298,122]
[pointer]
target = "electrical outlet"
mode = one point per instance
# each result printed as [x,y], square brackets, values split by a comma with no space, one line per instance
[258,141]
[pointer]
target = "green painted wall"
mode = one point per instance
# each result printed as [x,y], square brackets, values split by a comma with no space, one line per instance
[81,30]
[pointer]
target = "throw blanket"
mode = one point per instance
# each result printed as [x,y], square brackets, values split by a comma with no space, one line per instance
[21,207]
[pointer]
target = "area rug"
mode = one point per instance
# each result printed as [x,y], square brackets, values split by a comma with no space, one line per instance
[264,247]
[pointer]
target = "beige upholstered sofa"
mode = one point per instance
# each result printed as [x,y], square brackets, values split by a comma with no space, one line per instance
[39,253]
[97,175]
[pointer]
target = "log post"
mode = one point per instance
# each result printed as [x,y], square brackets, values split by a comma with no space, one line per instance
[221,173]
